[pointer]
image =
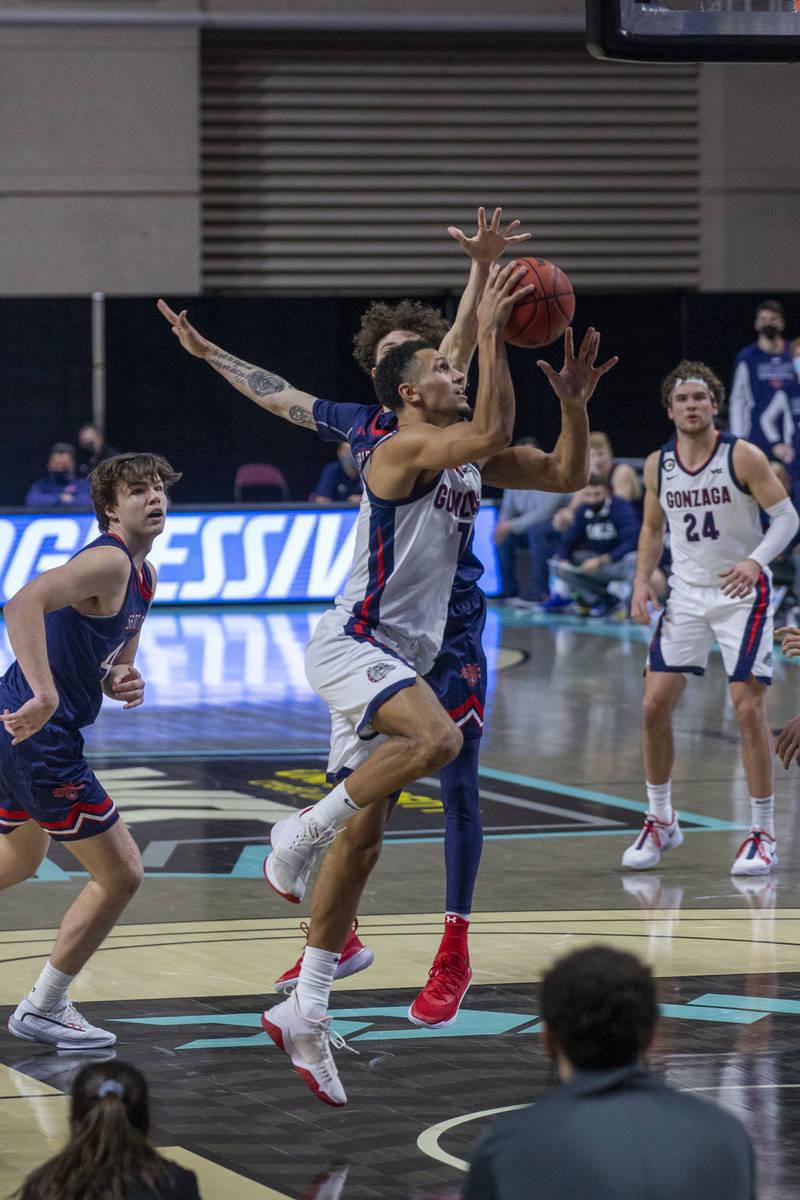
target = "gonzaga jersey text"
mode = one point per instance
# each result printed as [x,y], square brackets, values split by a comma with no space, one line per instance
[407,551]
[713,519]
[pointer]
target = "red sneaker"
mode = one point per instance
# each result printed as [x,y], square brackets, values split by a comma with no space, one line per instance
[439,1001]
[355,957]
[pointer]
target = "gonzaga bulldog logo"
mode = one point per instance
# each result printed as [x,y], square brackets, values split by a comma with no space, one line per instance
[379,671]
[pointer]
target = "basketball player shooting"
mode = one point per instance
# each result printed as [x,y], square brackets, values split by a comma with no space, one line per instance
[368,655]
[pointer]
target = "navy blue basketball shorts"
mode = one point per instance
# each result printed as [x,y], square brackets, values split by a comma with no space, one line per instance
[46,779]
[458,677]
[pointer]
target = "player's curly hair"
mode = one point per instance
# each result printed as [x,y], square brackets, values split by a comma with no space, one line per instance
[424,320]
[600,1007]
[126,469]
[693,370]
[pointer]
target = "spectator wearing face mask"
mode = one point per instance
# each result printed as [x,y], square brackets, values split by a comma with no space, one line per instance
[60,487]
[765,387]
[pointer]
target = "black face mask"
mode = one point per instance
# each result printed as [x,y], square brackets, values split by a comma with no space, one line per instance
[595,508]
[769,331]
[61,476]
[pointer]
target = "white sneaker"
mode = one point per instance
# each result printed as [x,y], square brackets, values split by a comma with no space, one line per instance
[308,1044]
[757,854]
[65,1029]
[295,846]
[654,838]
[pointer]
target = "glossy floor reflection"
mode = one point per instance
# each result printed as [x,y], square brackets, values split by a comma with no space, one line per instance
[231,738]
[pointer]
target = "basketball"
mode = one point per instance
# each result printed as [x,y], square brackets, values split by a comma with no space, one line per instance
[543,315]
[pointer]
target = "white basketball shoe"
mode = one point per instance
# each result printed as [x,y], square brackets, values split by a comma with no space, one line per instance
[295,846]
[65,1029]
[757,854]
[655,837]
[308,1044]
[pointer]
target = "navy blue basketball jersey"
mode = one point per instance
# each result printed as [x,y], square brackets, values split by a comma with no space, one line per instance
[82,649]
[364,426]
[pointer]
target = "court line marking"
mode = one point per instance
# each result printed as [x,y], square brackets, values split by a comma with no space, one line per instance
[428,1140]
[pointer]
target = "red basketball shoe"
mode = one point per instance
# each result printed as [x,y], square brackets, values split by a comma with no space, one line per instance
[439,1001]
[355,957]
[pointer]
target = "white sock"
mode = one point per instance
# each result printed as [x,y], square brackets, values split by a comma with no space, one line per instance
[49,993]
[763,814]
[317,971]
[332,810]
[659,801]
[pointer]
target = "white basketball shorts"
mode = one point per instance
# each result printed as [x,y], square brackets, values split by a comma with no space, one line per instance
[354,673]
[697,615]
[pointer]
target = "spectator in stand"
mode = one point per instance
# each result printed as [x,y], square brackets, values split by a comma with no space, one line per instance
[339,482]
[60,487]
[92,449]
[611,1129]
[764,386]
[525,520]
[622,477]
[599,548]
[109,1152]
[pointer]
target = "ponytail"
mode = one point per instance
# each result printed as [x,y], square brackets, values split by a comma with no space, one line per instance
[109,1150]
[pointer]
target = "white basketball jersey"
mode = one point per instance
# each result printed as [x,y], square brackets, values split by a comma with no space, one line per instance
[713,519]
[405,557]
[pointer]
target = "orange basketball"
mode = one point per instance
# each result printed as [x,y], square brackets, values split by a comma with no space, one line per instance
[543,315]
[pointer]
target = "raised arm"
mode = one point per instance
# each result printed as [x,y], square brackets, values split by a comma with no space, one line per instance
[651,543]
[484,247]
[419,447]
[264,388]
[566,467]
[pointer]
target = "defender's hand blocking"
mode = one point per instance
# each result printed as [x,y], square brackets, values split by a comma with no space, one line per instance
[490,241]
[578,377]
[28,719]
[186,334]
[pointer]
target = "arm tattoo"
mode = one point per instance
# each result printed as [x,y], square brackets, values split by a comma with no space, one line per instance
[301,416]
[264,383]
[256,380]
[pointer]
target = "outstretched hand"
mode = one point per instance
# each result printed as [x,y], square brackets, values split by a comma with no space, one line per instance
[186,334]
[578,377]
[490,241]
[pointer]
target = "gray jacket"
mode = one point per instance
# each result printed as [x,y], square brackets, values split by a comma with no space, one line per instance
[614,1135]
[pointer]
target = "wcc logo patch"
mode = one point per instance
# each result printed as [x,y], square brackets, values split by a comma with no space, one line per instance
[379,671]
[472,673]
[668,464]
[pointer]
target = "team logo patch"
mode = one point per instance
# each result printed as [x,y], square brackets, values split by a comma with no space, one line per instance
[68,792]
[669,464]
[379,671]
[472,673]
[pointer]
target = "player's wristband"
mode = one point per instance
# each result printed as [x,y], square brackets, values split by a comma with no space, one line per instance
[783,525]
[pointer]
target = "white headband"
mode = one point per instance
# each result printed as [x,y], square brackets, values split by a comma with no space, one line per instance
[691,379]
